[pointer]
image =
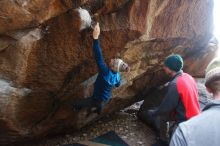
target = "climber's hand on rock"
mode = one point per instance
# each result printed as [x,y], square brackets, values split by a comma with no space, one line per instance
[96,31]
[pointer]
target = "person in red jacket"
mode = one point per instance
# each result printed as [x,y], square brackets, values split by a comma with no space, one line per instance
[181,100]
[204,129]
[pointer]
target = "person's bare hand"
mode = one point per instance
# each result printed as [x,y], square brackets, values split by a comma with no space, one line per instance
[96,31]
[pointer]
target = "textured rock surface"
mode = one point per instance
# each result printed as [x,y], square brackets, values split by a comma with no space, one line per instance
[46,61]
[124,123]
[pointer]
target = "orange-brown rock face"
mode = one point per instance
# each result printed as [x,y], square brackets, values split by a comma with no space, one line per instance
[46,60]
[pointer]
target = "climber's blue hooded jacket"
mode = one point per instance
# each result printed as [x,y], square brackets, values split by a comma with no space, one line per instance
[106,79]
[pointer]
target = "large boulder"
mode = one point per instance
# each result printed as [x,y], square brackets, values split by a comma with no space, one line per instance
[46,59]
